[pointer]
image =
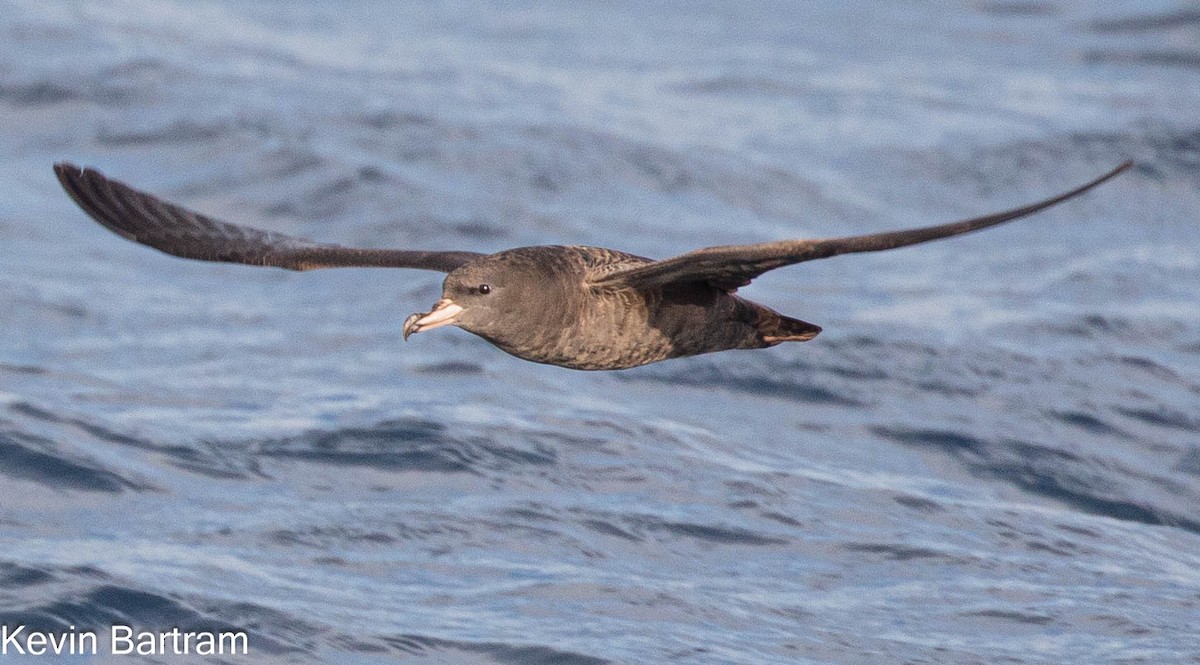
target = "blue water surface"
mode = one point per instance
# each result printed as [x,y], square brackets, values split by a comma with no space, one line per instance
[992,453]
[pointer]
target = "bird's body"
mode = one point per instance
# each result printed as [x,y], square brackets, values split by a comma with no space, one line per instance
[580,307]
[621,328]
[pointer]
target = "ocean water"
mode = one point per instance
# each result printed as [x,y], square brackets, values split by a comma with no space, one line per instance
[991,455]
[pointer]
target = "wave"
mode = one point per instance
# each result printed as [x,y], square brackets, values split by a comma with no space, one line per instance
[29,457]
[1086,482]
[497,651]
[407,445]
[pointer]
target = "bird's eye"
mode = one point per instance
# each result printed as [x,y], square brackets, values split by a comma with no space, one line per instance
[485,289]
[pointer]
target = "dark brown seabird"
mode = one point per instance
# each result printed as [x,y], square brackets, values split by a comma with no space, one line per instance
[577,307]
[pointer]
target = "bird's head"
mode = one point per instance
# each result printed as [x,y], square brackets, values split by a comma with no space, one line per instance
[502,298]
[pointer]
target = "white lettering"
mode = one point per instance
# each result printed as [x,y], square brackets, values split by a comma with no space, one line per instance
[57,645]
[39,643]
[121,644]
[36,643]
[145,644]
[10,638]
[84,638]
[205,644]
[124,641]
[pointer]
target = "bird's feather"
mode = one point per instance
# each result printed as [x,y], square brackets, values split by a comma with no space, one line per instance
[732,266]
[175,230]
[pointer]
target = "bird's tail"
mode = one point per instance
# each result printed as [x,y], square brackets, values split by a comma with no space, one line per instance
[775,328]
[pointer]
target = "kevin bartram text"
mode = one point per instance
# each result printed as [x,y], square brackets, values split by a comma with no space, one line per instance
[122,641]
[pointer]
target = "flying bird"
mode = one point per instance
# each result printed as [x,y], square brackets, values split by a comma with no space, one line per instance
[580,307]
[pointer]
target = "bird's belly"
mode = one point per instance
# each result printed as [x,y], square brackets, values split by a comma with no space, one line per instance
[595,348]
[624,334]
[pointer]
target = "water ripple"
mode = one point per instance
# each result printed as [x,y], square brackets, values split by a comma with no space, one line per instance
[498,652]
[35,458]
[1081,482]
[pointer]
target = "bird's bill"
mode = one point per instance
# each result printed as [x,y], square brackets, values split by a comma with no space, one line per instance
[444,313]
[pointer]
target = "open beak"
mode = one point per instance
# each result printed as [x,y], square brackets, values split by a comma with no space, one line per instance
[444,313]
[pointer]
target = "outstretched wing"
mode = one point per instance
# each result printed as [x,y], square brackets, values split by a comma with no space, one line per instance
[169,228]
[731,266]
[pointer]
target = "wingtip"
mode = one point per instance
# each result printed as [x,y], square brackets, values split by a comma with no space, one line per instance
[68,174]
[62,168]
[1121,168]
